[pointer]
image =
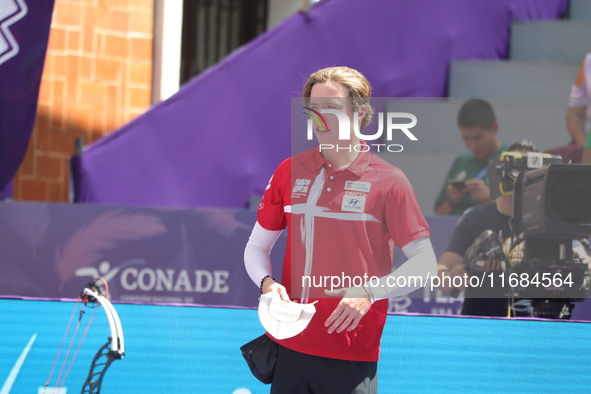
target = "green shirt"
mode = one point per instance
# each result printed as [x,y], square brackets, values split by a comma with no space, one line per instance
[468,167]
[588,144]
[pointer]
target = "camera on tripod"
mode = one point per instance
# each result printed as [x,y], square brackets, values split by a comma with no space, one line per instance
[551,210]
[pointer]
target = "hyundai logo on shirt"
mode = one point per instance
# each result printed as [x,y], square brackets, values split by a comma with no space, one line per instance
[353,204]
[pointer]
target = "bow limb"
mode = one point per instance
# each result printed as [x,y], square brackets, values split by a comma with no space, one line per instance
[113,350]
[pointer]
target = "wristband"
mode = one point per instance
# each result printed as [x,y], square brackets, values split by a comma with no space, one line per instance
[263,280]
[369,293]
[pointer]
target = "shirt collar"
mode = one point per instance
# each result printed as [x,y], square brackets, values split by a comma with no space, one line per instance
[357,167]
[494,155]
[498,152]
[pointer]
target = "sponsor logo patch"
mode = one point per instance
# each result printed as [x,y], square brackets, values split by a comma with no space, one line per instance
[300,187]
[353,204]
[358,186]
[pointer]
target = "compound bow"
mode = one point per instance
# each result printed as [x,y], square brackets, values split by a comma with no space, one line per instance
[92,297]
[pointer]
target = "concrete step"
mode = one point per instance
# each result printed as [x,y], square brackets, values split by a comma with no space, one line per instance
[426,172]
[580,10]
[540,119]
[511,79]
[554,41]
[427,160]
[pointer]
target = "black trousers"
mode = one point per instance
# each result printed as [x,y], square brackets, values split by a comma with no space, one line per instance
[300,373]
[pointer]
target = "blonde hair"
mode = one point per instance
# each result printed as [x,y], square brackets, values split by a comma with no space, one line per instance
[356,84]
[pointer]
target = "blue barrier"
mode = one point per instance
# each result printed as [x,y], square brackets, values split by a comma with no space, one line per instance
[196,350]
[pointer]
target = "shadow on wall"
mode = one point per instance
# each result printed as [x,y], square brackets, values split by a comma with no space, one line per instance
[44,172]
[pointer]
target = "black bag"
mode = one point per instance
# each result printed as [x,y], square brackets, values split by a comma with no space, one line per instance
[260,355]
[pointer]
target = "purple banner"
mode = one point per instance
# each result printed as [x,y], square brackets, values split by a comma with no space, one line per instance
[7,192]
[24,31]
[159,256]
[147,255]
[217,142]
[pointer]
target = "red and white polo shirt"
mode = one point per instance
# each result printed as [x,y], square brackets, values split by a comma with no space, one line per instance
[342,223]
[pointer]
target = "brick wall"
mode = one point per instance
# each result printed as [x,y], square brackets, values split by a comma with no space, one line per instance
[97,77]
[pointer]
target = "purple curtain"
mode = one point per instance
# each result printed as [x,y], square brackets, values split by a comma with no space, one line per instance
[24,31]
[7,192]
[217,142]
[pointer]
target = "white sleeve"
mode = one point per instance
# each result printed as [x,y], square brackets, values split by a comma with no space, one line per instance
[413,274]
[257,254]
[579,94]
